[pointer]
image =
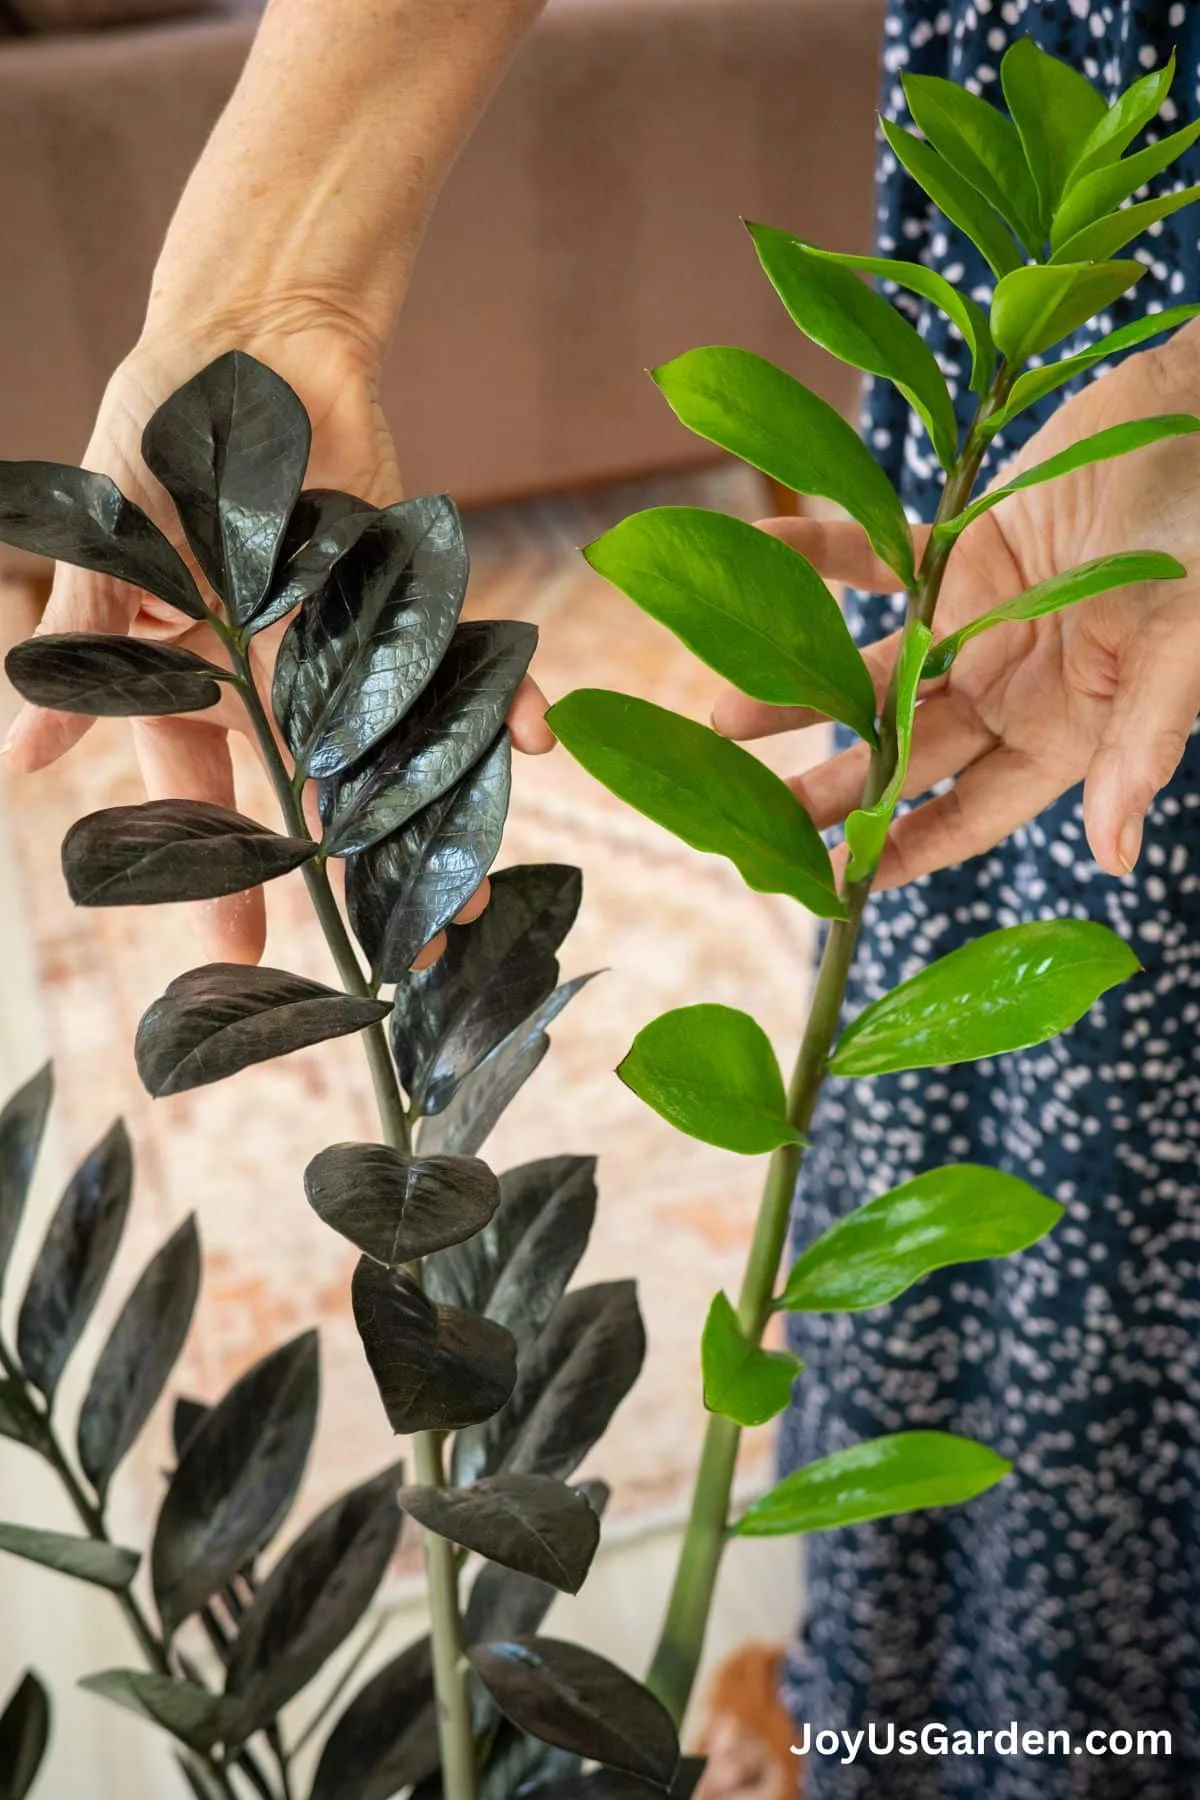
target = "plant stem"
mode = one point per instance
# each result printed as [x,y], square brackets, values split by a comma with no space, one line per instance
[456,1737]
[677,1657]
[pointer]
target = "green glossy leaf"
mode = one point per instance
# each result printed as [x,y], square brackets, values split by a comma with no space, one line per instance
[749,606]
[1034,384]
[24,1734]
[574,1699]
[960,1214]
[386,1739]
[1035,307]
[846,317]
[102,1564]
[1052,595]
[165,850]
[189,1712]
[18,1419]
[1055,109]
[74,1260]
[711,1072]
[531,1523]
[1116,440]
[742,1381]
[1005,991]
[399,1207]
[982,145]
[437,1368]
[757,412]
[1112,234]
[1129,114]
[22,1125]
[867,826]
[954,196]
[706,789]
[112,677]
[140,1353]
[1094,195]
[887,1475]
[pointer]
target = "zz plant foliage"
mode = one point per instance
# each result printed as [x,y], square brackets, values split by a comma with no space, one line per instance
[390,717]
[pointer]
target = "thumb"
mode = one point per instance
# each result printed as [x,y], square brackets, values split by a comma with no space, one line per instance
[79,601]
[1147,733]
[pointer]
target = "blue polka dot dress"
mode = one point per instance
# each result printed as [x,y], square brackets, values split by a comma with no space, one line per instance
[1069,1596]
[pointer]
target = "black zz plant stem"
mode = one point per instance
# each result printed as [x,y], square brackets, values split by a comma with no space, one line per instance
[455,1734]
[676,1660]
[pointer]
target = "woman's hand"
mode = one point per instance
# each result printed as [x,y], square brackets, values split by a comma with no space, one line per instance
[1105,692]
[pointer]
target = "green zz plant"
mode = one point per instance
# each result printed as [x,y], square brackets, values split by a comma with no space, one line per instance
[1039,192]
[391,715]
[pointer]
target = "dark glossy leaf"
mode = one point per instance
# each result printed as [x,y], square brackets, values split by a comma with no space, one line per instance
[1129,113]
[140,1353]
[504,1604]
[102,1564]
[186,1416]
[531,1523]
[1055,110]
[954,196]
[436,1368]
[753,608]
[741,1380]
[396,1207]
[386,1739]
[78,517]
[983,146]
[402,892]
[711,1071]
[189,1712]
[573,1698]
[492,974]
[1034,308]
[22,1124]
[1052,595]
[74,1260]
[112,677]
[570,1382]
[886,1475]
[324,524]
[312,1600]
[364,647]
[519,1765]
[607,1784]
[704,788]
[24,1734]
[230,447]
[1093,196]
[1107,236]
[1004,991]
[867,826]
[765,416]
[168,850]
[18,1419]
[846,317]
[1035,383]
[457,717]
[214,1021]
[963,1213]
[516,1269]
[236,1479]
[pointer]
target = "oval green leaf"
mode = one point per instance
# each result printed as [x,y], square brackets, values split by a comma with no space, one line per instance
[867,826]
[189,1712]
[954,196]
[983,146]
[711,1071]
[1035,383]
[100,1563]
[1109,235]
[1035,307]
[1129,113]
[887,1475]
[742,1381]
[1094,195]
[1055,110]
[1005,991]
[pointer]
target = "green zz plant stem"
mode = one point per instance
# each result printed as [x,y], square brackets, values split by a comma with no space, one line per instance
[1039,191]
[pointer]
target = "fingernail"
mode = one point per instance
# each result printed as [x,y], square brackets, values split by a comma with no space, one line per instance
[1129,844]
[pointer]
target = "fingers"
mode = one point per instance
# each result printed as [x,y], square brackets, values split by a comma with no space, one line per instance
[736,715]
[527,720]
[1151,719]
[1002,791]
[189,757]
[947,736]
[474,906]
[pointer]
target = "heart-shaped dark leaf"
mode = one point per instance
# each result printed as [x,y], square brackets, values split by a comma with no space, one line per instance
[172,850]
[74,1260]
[570,1382]
[361,649]
[387,1737]
[18,1419]
[24,1734]
[516,1269]
[401,892]
[78,517]
[230,447]
[437,1369]
[571,1697]
[236,1479]
[324,525]
[112,677]
[214,1021]
[444,735]
[397,1207]
[188,1711]
[139,1355]
[530,1523]
[312,1600]
[22,1124]
[493,972]
[481,1097]
[101,1564]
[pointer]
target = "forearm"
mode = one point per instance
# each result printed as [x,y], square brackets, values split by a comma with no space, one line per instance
[312,194]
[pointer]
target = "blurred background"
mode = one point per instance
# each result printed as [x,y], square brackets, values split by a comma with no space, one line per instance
[591,230]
